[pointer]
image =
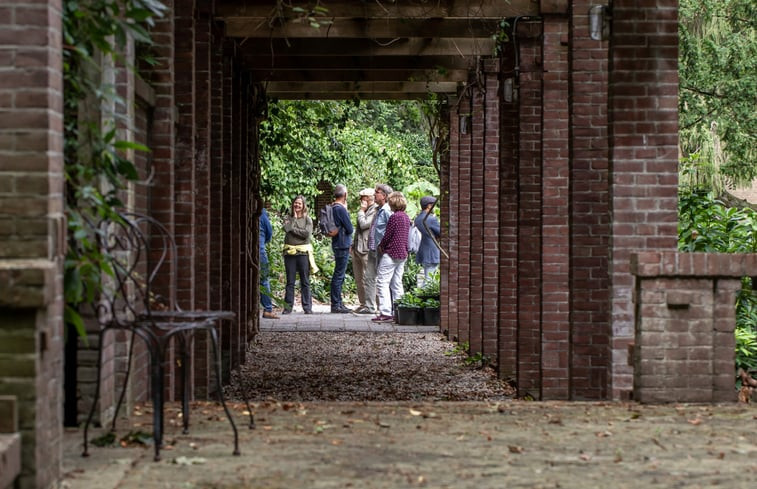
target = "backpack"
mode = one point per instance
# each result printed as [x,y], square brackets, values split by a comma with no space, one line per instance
[414,239]
[326,223]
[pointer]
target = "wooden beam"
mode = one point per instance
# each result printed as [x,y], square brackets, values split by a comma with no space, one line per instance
[363,28]
[367,47]
[272,10]
[277,63]
[360,75]
[360,87]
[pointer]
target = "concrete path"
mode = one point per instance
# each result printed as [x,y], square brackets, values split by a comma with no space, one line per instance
[323,320]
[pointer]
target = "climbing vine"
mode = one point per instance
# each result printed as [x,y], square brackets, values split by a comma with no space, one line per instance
[94,163]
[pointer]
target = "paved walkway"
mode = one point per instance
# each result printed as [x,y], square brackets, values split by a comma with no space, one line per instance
[323,320]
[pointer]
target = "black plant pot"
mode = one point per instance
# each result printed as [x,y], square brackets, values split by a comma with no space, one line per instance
[432,316]
[408,315]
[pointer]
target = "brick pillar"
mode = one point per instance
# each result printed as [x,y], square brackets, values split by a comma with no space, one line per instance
[202,56]
[32,232]
[555,294]
[643,106]
[492,213]
[449,268]
[529,218]
[463,224]
[228,286]
[236,213]
[217,196]
[590,212]
[184,164]
[475,218]
[508,226]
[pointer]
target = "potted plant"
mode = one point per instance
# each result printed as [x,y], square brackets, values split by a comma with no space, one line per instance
[409,309]
[431,312]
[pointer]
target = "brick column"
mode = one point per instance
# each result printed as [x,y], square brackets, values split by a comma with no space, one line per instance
[643,104]
[529,219]
[492,213]
[449,268]
[555,294]
[476,207]
[508,227]
[32,232]
[590,211]
[463,224]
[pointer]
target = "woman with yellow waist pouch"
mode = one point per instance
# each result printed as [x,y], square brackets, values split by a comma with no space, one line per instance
[298,254]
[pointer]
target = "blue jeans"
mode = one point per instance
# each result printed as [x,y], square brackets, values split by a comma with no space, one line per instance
[265,285]
[341,258]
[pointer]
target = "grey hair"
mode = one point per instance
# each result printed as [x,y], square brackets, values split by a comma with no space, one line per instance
[384,188]
[340,190]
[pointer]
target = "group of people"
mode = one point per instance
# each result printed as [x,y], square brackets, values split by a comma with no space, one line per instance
[379,250]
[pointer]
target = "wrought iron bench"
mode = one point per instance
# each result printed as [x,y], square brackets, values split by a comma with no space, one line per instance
[127,304]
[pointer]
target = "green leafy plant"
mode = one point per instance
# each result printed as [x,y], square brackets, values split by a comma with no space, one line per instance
[411,301]
[431,303]
[95,166]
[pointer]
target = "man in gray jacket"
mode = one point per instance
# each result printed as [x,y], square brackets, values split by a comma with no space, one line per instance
[363,262]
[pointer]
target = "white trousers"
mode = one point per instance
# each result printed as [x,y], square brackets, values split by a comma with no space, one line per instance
[389,282]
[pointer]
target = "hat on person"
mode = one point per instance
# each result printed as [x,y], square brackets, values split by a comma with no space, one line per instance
[367,191]
[426,201]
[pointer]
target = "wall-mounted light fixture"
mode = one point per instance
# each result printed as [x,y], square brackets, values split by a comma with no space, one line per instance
[464,123]
[599,22]
[507,90]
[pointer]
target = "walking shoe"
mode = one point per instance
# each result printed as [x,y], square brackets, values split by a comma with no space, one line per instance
[286,311]
[365,310]
[308,311]
[340,310]
[270,315]
[382,319]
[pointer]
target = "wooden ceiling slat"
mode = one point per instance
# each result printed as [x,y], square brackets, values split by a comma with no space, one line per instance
[403,9]
[367,47]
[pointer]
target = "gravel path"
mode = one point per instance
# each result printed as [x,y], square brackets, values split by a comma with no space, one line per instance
[353,366]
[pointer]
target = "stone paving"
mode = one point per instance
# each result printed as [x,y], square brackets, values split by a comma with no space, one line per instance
[507,444]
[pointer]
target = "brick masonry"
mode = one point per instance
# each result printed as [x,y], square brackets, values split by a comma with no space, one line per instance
[684,342]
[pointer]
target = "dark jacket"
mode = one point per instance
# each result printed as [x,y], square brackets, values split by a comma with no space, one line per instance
[343,239]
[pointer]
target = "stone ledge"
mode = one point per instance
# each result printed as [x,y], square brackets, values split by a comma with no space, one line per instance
[10,459]
[26,283]
[679,264]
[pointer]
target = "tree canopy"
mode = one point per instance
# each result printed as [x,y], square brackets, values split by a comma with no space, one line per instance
[355,143]
[718,90]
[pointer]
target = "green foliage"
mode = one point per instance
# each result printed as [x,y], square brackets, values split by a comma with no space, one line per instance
[304,142]
[431,303]
[706,224]
[410,300]
[718,88]
[94,163]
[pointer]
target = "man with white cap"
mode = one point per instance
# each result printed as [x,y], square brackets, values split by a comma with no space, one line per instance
[363,262]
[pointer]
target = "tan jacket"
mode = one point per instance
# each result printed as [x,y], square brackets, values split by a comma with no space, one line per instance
[364,220]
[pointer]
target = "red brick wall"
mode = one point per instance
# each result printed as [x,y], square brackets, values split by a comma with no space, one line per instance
[685,319]
[32,231]
[555,228]
[589,210]
[643,104]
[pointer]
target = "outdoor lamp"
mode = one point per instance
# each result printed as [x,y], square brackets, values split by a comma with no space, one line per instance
[599,22]
[464,122]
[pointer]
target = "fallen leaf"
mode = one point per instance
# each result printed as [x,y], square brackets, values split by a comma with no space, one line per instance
[415,413]
[695,421]
[585,457]
[515,448]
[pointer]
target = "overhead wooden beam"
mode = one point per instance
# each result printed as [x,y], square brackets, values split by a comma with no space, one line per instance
[271,11]
[360,75]
[362,28]
[439,63]
[362,87]
[367,47]
[349,96]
